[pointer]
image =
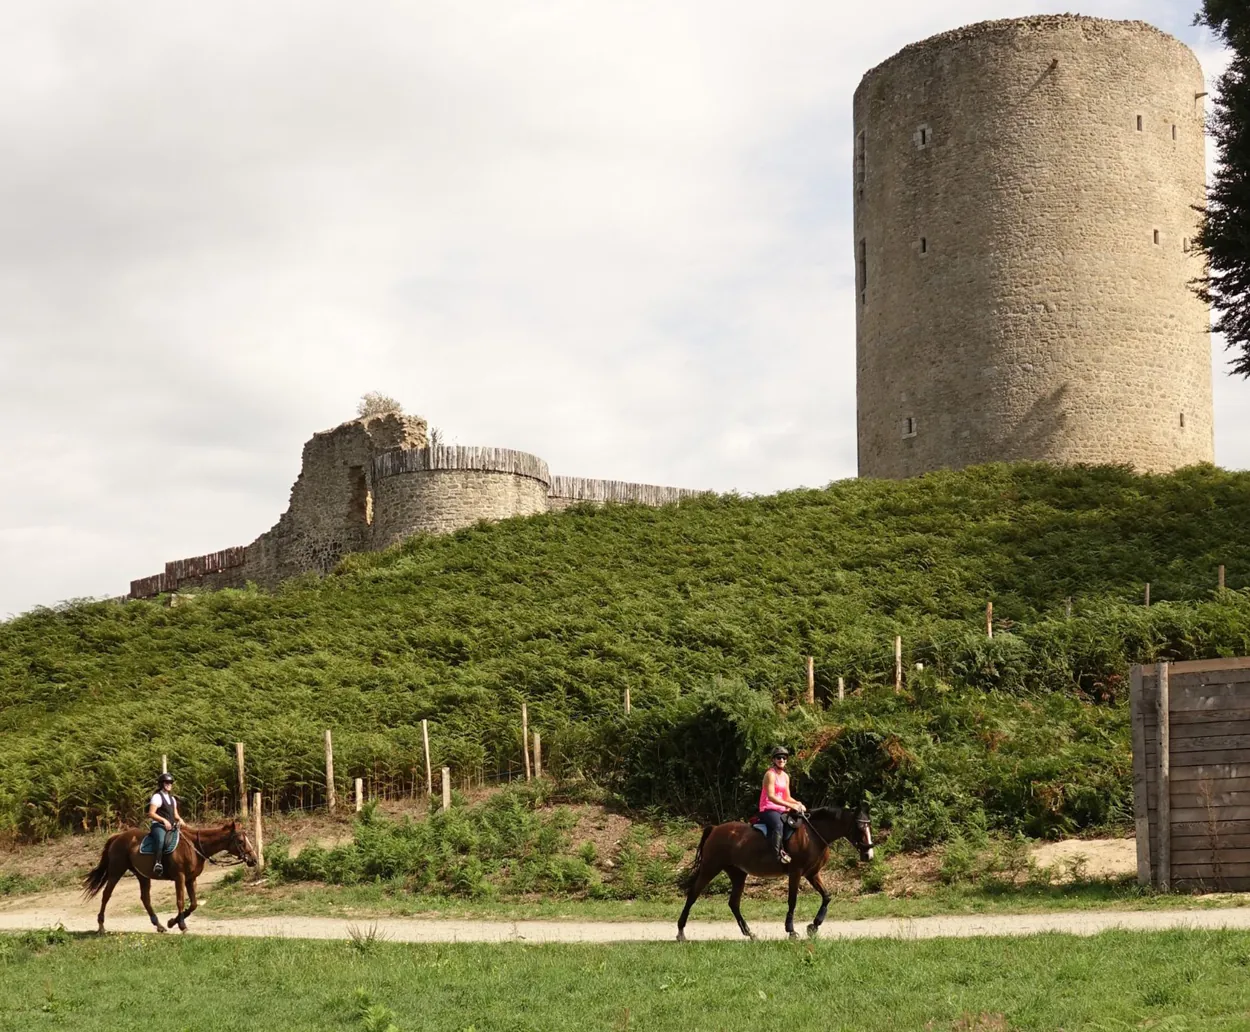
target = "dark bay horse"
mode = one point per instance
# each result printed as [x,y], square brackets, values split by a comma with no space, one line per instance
[739,850]
[183,866]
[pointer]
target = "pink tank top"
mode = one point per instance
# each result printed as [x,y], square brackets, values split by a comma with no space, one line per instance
[781,789]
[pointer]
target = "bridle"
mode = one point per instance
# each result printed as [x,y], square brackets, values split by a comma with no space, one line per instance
[860,822]
[234,860]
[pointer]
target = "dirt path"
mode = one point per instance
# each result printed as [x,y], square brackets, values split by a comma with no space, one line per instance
[79,919]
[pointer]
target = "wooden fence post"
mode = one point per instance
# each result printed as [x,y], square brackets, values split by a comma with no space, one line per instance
[238,760]
[898,663]
[330,800]
[429,773]
[525,738]
[1221,578]
[841,688]
[1067,609]
[164,764]
[446,788]
[627,700]
[1147,594]
[1164,809]
[989,619]
[538,755]
[259,844]
[360,794]
[811,680]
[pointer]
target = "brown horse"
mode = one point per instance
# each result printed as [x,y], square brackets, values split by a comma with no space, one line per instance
[183,866]
[739,850]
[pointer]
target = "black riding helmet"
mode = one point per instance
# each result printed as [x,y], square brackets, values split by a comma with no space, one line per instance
[780,750]
[165,778]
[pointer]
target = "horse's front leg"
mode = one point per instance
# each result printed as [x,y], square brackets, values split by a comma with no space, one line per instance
[819,886]
[145,896]
[794,899]
[179,919]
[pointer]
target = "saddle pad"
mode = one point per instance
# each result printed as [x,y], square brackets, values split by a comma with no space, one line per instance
[148,845]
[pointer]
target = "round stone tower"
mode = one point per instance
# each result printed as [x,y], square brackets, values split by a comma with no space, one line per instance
[1024,205]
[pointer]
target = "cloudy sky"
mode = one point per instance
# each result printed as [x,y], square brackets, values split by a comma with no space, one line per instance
[614,234]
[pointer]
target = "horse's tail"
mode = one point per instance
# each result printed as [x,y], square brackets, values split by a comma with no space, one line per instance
[688,878]
[99,875]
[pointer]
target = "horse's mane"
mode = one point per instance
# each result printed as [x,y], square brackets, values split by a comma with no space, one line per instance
[828,811]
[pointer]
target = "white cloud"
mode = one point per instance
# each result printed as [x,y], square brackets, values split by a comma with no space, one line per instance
[614,235]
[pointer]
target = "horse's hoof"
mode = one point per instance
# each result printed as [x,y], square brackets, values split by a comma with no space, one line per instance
[681,936]
[183,929]
[161,929]
[794,935]
[813,931]
[751,936]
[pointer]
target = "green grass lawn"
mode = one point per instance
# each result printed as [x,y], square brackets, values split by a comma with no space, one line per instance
[1170,980]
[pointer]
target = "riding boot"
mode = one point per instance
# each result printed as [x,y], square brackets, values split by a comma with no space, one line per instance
[775,841]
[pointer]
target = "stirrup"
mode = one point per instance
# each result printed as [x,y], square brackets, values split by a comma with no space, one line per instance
[158,869]
[783,856]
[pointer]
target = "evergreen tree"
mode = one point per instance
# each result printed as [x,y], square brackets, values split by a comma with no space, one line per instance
[1224,237]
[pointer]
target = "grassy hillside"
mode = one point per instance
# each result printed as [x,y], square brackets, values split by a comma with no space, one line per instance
[705,611]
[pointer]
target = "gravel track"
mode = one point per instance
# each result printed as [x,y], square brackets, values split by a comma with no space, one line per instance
[1088,922]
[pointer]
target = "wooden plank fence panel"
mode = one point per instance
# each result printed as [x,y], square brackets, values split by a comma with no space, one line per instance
[1225,827]
[1225,884]
[1200,814]
[1211,772]
[1207,855]
[1208,729]
[1184,843]
[1188,871]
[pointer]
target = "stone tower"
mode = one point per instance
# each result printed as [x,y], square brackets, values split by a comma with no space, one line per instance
[1024,196]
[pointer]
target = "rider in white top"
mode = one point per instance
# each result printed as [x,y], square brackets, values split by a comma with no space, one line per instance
[163,812]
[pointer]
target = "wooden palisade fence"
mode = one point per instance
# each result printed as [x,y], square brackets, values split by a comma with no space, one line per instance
[1191,773]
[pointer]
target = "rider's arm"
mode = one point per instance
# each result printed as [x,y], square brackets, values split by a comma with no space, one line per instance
[177,816]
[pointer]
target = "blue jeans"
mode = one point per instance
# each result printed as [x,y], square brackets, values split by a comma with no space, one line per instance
[772,818]
[158,837]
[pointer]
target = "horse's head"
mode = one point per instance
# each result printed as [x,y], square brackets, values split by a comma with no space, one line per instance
[835,822]
[861,837]
[240,845]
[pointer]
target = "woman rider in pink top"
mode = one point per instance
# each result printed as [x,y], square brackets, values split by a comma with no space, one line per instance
[775,799]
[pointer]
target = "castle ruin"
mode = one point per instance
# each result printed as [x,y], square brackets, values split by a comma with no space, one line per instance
[1024,205]
[371,483]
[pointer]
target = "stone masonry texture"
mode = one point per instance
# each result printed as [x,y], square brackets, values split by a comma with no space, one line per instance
[1024,196]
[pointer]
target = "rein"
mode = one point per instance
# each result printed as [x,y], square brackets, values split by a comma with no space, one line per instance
[812,828]
[195,845]
[823,841]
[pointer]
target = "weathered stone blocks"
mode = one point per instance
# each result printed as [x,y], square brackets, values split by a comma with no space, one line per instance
[1024,198]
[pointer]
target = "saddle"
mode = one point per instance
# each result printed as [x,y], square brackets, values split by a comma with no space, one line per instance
[788,823]
[148,845]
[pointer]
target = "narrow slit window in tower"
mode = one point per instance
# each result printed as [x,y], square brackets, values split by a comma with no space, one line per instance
[924,245]
[1174,132]
[909,426]
[1182,420]
[861,264]
[861,159]
[1139,123]
[1156,236]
